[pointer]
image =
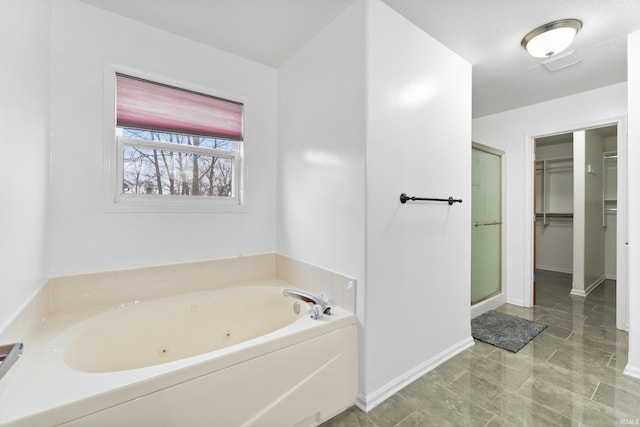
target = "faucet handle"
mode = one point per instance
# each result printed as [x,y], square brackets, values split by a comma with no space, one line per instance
[317,312]
[323,299]
[324,303]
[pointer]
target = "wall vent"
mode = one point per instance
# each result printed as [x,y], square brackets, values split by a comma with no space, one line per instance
[559,62]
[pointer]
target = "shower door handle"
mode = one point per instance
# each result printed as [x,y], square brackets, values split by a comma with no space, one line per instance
[479,224]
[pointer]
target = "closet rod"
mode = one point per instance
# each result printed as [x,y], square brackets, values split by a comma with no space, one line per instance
[554,215]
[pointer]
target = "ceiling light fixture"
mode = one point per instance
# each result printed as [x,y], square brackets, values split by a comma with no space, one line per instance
[552,38]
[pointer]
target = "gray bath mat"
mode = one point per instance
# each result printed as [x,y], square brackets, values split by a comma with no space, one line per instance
[505,331]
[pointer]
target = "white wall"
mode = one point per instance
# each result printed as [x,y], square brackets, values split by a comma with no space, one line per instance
[594,248]
[372,86]
[610,237]
[563,148]
[511,131]
[633,74]
[84,237]
[25,34]
[610,250]
[418,254]
[321,148]
[554,245]
[579,240]
[321,154]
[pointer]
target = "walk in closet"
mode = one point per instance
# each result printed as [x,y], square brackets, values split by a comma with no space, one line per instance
[576,205]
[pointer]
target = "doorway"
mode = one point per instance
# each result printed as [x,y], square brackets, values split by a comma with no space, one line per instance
[579,199]
[554,200]
[486,228]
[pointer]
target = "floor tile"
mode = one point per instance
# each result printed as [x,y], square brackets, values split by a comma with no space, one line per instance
[498,373]
[557,331]
[568,404]
[499,422]
[521,411]
[448,372]
[618,361]
[524,359]
[623,382]
[445,404]
[475,389]
[623,402]
[584,385]
[581,366]
[569,357]
[571,374]
[424,418]
[352,417]
[482,349]
[391,411]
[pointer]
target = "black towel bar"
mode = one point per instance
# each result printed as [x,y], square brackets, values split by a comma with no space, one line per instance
[404,198]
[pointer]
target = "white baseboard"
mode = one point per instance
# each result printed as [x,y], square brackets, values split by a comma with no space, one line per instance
[370,401]
[555,269]
[518,302]
[486,305]
[632,371]
[610,276]
[588,289]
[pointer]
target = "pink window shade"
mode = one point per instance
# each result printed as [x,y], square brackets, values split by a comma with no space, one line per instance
[142,104]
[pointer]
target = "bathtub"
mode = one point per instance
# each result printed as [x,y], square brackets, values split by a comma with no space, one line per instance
[238,356]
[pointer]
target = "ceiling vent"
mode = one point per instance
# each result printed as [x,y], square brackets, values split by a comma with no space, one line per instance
[559,62]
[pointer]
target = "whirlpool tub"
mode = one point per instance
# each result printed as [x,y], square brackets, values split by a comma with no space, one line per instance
[238,356]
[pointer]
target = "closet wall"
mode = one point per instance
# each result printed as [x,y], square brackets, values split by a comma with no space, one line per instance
[594,227]
[610,171]
[554,203]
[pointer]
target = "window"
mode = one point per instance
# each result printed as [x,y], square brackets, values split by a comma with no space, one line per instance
[175,144]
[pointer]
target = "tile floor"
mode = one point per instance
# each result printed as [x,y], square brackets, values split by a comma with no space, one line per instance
[569,375]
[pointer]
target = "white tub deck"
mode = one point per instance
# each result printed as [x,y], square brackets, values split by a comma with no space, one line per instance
[41,389]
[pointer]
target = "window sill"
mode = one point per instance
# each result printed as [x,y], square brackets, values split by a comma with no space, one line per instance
[156,205]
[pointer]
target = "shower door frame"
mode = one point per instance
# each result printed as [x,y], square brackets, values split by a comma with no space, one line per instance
[498,298]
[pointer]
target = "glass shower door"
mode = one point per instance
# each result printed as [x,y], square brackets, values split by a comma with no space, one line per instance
[486,226]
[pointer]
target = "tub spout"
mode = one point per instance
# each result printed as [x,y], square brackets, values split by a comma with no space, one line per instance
[320,304]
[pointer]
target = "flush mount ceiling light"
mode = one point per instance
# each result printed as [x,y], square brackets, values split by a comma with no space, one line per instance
[552,38]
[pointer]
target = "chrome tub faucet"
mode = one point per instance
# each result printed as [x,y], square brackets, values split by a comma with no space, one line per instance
[320,304]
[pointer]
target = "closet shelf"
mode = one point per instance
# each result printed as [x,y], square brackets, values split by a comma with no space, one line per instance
[551,216]
[554,188]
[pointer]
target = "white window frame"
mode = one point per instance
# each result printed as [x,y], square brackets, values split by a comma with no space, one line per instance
[113,160]
[153,199]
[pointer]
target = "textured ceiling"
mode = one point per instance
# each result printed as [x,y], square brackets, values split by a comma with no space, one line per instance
[488,34]
[485,33]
